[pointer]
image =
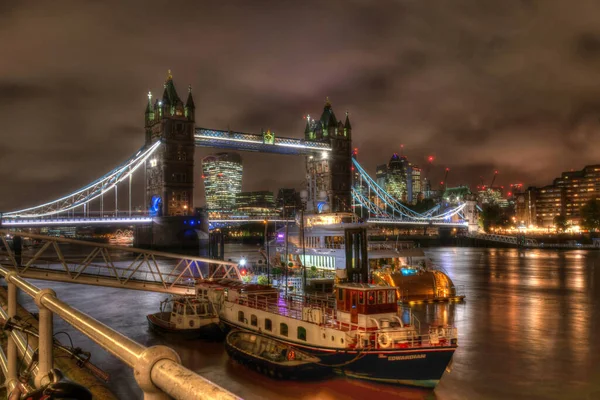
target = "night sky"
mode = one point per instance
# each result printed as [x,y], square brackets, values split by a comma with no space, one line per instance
[512,85]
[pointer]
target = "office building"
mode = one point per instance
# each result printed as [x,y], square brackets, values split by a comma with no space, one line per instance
[222,176]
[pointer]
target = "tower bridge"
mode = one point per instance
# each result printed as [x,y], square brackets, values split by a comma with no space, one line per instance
[166,160]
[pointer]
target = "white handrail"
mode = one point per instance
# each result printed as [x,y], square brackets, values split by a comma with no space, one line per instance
[157,369]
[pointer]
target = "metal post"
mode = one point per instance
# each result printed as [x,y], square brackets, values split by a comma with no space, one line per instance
[11,379]
[268,255]
[130,191]
[102,204]
[303,252]
[286,257]
[45,343]
[116,202]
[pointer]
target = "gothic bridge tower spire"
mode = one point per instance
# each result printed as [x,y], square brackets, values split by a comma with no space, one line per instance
[329,175]
[170,171]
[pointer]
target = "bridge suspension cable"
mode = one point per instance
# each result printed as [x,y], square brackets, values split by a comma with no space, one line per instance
[90,192]
[368,204]
[396,206]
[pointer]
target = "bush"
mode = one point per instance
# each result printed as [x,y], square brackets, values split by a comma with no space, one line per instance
[262,280]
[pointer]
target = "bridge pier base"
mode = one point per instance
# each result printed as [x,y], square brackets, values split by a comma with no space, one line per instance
[189,233]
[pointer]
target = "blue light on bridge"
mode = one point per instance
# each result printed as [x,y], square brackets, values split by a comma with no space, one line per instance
[408,271]
[155,206]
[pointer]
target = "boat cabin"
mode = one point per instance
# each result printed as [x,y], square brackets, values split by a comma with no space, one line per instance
[365,304]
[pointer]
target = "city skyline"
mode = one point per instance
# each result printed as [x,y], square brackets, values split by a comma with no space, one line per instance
[74,112]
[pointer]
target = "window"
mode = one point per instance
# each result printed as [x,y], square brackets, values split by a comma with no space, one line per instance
[371,297]
[253,320]
[361,297]
[340,294]
[380,297]
[391,296]
[241,316]
[283,329]
[301,333]
[268,325]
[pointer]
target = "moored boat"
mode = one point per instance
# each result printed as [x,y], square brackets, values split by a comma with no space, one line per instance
[272,357]
[358,332]
[188,316]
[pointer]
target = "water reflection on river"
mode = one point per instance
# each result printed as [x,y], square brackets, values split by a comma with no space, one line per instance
[529,330]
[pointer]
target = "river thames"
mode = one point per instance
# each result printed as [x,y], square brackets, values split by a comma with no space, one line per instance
[528,330]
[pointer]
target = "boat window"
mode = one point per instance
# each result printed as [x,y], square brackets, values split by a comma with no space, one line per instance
[201,309]
[340,294]
[283,329]
[241,316]
[371,297]
[189,310]
[268,325]
[390,296]
[253,320]
[301,333]
[361,297]
[179,308]
[380,297]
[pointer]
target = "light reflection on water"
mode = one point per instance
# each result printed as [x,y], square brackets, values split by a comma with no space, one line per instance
[528,330]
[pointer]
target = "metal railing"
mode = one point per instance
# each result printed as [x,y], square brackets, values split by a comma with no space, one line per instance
[108,265]
[157,369]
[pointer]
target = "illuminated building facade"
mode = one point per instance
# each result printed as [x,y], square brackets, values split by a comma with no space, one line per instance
[395,183]
[414,183]
[570,192]
[329,174]
[170,171]
[222,175]
[580,187]
[258,203]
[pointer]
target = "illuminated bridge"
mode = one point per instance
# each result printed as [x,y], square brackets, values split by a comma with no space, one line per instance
[75,208]
[167,169]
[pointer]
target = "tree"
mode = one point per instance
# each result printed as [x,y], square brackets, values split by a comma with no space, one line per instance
[560,222]
[590,215]
[491,216]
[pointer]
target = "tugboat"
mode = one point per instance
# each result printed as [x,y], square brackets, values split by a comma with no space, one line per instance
[357,332]
[271,357]
[188,316]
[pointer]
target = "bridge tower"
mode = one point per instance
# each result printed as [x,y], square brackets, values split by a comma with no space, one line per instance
[170,171]
[329,175]
[471,214]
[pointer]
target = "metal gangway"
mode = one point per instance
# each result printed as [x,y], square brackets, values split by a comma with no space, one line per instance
[92,263]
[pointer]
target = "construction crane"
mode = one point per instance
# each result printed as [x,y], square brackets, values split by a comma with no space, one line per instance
[445,181]
[494,179]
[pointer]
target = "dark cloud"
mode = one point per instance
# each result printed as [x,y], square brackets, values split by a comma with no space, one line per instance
[511,85]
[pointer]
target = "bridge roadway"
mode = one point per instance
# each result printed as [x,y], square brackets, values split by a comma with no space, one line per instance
[42,222]
[69,221]
[77,261]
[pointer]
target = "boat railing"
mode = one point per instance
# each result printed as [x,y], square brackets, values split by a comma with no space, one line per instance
[293,306]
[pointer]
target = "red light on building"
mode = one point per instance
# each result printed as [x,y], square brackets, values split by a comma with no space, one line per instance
[509,194]
[430,158]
